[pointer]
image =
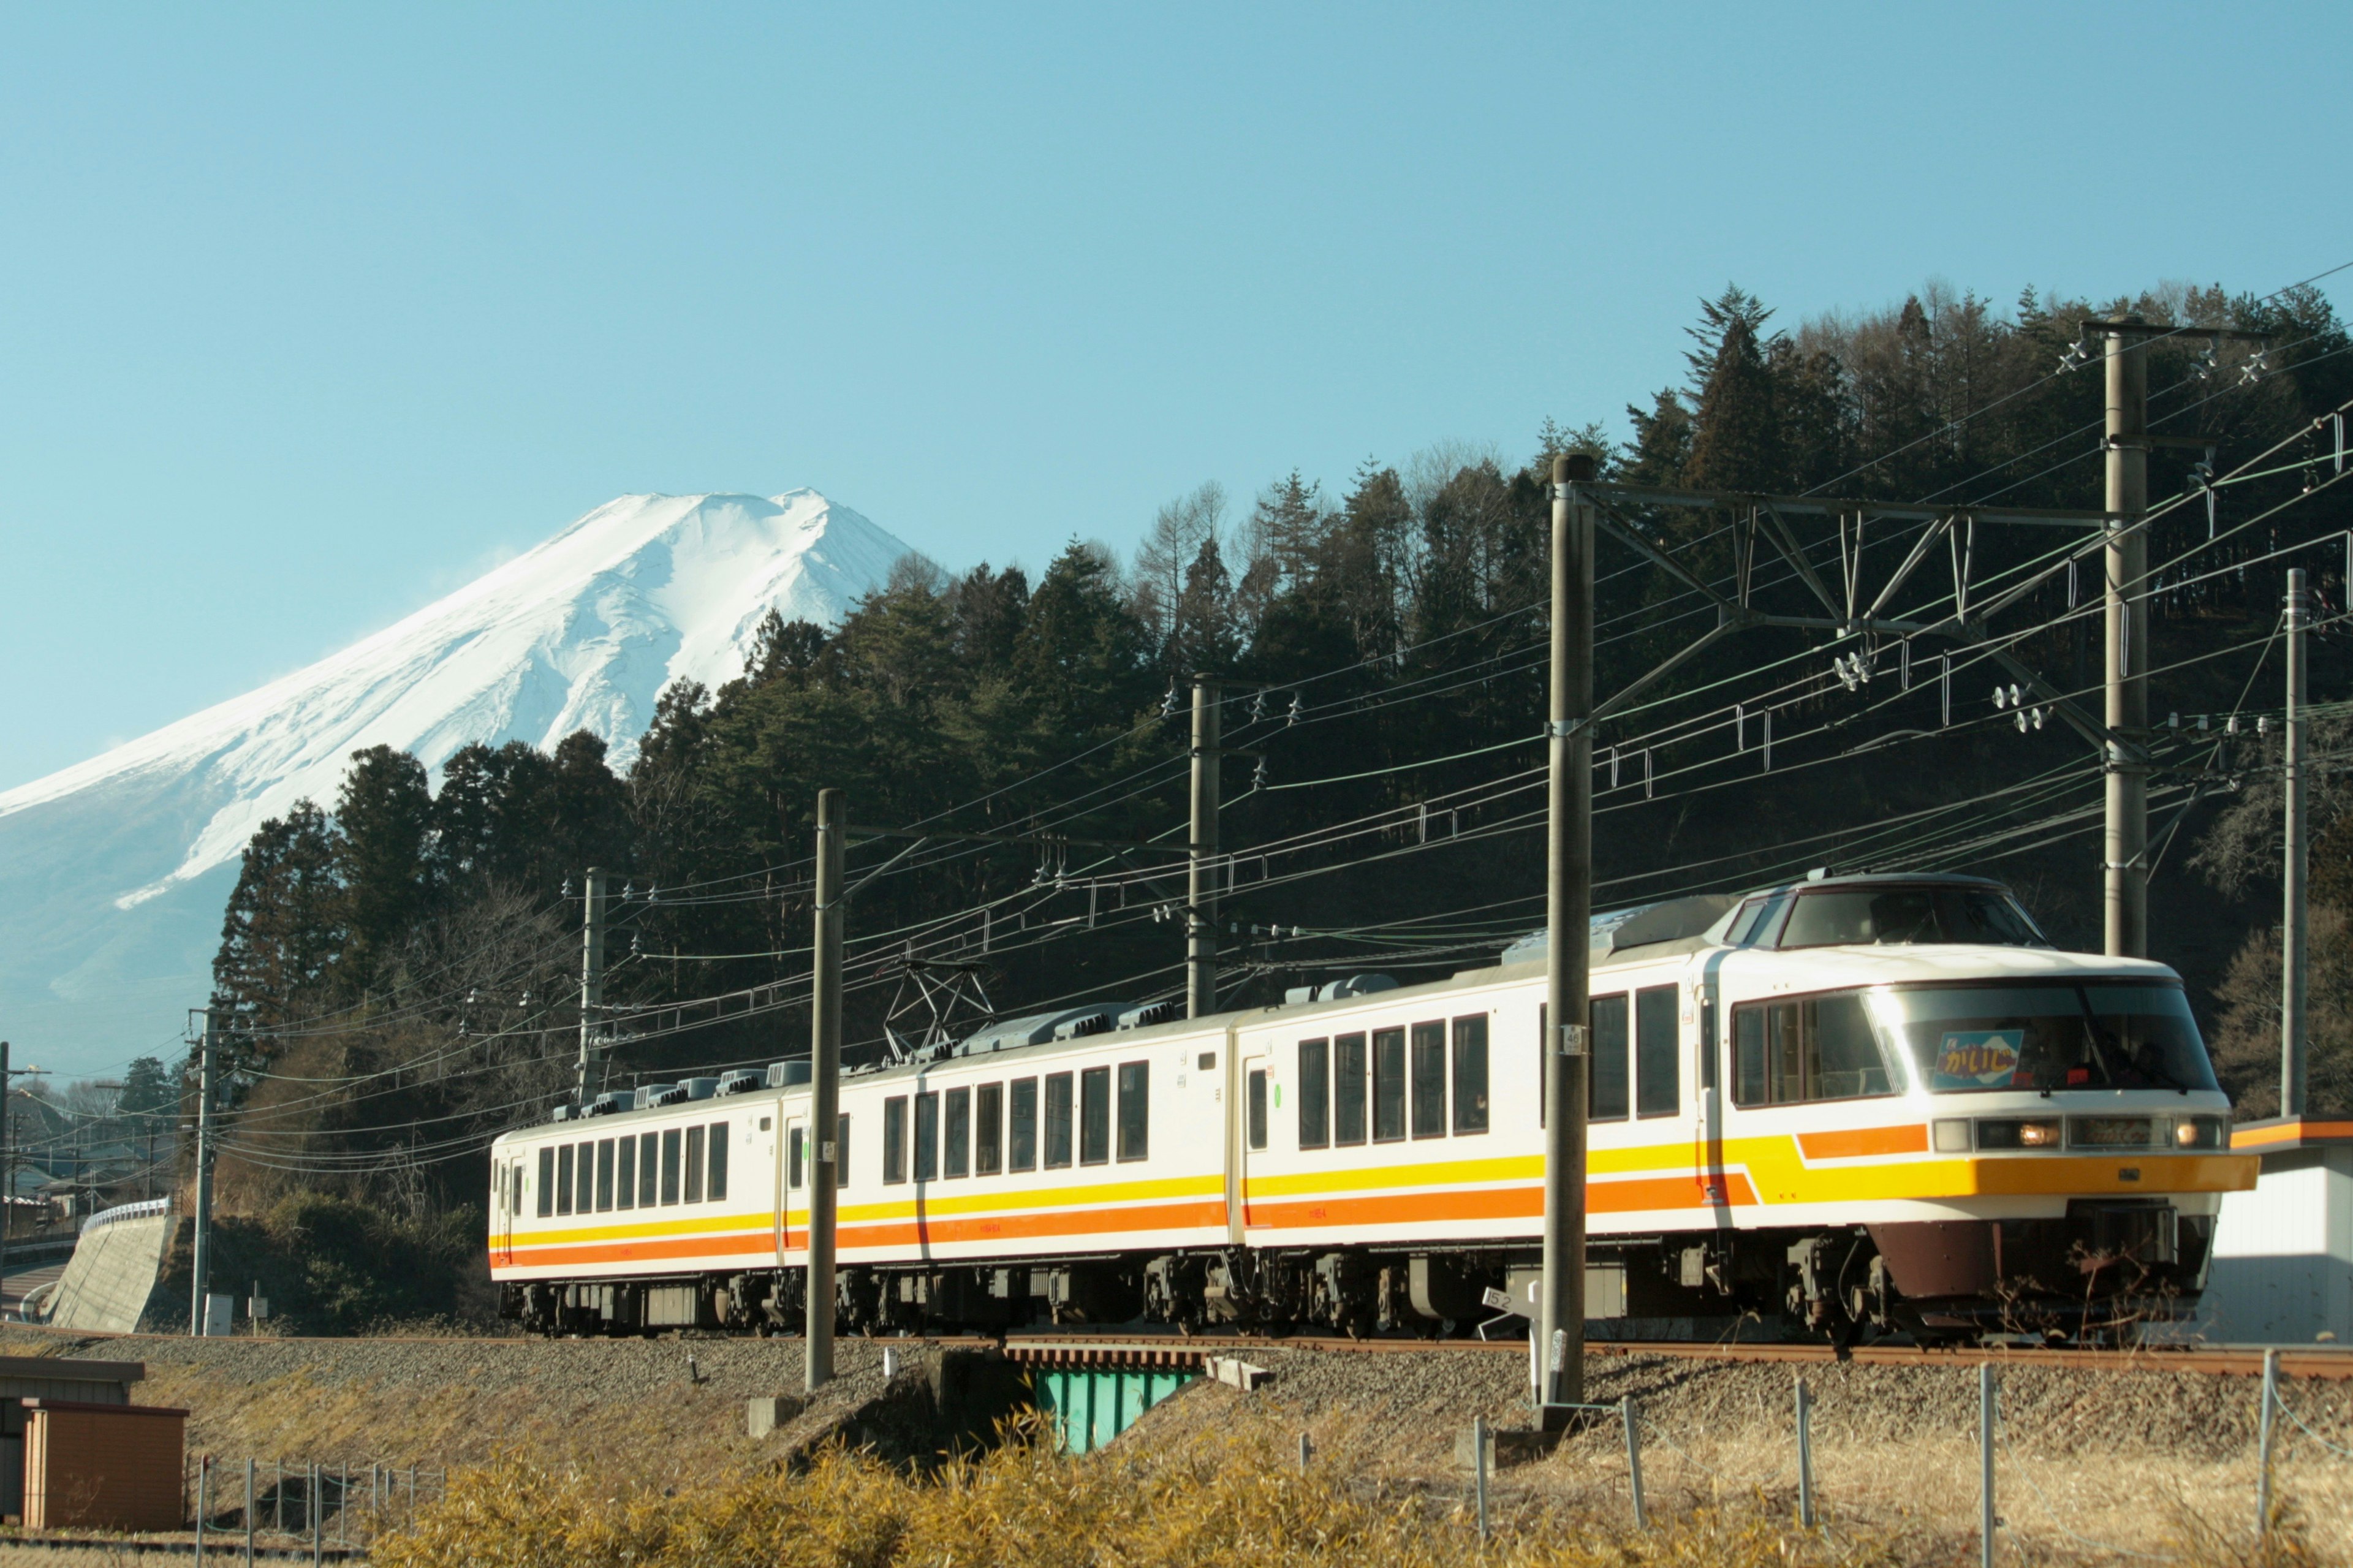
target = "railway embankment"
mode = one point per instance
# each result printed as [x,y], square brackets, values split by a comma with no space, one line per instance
[2133,1458]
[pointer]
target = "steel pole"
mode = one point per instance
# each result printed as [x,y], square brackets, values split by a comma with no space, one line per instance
[2296,852]
[2124,869]
[1201,865]
[1568,911]
[592,984]
[825,1085]
[201,1253]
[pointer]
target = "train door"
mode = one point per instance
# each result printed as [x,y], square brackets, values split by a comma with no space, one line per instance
[1253,1122]
[509,1197]
[1707,1126]
[792,1214]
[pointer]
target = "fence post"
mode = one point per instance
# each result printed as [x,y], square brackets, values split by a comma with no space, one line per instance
[1634,1459]
[278,1495]
[1805,1456]
[343,1498]
[318,1502]
[1986,1520]
[252,1504]
[2264,1446]
[1479,1468]
[203,1501]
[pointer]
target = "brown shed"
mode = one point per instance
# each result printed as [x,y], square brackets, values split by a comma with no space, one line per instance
[115,1467]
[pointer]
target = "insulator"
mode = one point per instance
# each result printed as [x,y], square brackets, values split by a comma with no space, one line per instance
[567,886]
[2173,720]
[526,1000]
[653,894]
[2000,697]
[2262,725]
[2022,720]
[1257,706]
[2038,717]
[628,892]
[2230,725]
[1258,774]
[1298,706]
[1168,703]
[2016,696]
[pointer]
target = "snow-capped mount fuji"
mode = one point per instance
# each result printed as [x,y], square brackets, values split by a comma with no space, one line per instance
[113,872]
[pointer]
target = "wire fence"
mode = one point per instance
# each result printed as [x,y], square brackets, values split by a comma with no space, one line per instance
[1999,1466]
[250,1506]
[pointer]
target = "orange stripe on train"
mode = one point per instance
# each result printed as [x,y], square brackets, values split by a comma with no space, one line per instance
[1912,1138]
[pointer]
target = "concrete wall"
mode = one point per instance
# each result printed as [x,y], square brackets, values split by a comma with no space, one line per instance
[108,1282]
[2283,1269]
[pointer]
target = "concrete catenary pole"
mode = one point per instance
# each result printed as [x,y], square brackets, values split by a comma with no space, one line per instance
[2125,867]
[592,986]
[201,1256]
[1568,909]
[7,1167]
[1201,869]
[825,1084]
[2291,874]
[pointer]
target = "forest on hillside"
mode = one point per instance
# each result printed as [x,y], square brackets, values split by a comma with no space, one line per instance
[398,967]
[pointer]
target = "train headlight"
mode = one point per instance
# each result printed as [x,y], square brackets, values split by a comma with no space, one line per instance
[2019,1132]
[2201,1132]
[1951,1136]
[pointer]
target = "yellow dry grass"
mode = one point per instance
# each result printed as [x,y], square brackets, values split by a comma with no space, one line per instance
[1223,1499]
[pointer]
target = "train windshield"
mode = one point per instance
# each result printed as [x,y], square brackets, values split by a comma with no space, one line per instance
[2052,1035]
[1856,917]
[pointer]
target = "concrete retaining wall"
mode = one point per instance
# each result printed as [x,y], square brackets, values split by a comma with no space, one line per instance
[108,1282]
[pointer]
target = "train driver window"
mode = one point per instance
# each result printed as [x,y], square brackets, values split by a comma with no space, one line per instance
[1258,1108]
[717,1187]
[1470,1074]
[1658,1054]
[1608,1065]
[546,1183]
[1094,1116]
[1058,1121]
[1817,1047]
[1314,1094]
[1134,1110]
[625,1178]
[1429,1076]
[1022,1143]
[894,1138]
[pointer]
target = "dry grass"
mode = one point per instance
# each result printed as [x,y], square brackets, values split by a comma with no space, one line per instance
[1233,1498]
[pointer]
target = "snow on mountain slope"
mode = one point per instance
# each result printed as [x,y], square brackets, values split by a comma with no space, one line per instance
[113,872]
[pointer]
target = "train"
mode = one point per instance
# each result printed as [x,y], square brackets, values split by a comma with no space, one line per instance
[1854,1106]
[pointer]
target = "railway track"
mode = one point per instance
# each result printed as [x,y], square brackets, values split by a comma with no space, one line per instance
[2326,1362]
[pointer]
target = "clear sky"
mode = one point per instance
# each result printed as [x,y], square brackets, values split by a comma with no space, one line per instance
[307,314]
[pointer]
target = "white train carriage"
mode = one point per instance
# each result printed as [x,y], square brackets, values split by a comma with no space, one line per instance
[1857,1103]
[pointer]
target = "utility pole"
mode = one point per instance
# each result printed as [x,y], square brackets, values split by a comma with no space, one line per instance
[592,982]
[2292,921]
[202,1256]
[1200,875]
[825,1084]
[2125,867]
[7,1165]
[1568,914]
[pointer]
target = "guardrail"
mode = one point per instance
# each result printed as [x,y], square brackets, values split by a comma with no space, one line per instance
[140,1210]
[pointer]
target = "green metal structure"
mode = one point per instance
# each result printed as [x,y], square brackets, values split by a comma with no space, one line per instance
[1090,1405]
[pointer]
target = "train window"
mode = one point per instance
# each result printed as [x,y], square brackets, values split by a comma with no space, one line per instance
[624,1175]
[1388,1085]
[717,1188]
[1736,933]
[959,1143]
[927,1135]
[793,1159]
[1208,1061]
[604,1175]
[1134,1110]
[563,1179]
[694,1164]
[987,1129]
[1429,1081]
[1348,1089]
[586,1203]
[1023,1150]
[1258,1108]
[1819,1047]
[1658,1087]
[1878,916]
[546,1183]
[1314,1094]
[515,1188]
[1058,1120]
[1470,1074]
[842,1151]
[1608,1063]
[646,1160]
[670,1149]
[894,1138]
[1094,1115]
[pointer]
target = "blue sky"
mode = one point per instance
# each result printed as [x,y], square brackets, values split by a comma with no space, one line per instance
[307,314]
